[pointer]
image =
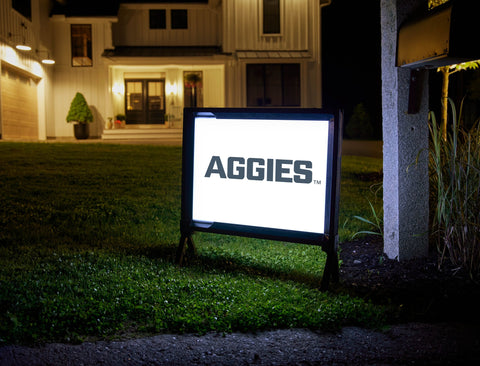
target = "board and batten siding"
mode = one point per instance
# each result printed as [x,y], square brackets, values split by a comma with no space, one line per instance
[93,84]
[91,81]
[133,28]
[214,87]
[11,29]
[242,26]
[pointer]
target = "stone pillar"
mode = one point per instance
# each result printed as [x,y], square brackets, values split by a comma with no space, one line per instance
[405,136]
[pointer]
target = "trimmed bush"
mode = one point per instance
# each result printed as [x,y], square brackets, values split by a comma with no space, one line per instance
[79,110]
[359,125]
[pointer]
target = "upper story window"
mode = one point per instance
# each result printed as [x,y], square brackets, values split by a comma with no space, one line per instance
[271,17]
[24,7]
[158,19]
[81,44]
[179,18]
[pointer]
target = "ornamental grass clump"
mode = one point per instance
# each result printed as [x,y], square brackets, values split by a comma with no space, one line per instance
[455,185]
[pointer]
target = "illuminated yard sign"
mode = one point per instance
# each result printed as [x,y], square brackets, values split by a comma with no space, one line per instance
[264,173]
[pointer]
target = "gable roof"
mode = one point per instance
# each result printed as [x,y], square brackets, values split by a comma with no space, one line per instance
[99,8]
[165,51]
[85,8]
[165,2]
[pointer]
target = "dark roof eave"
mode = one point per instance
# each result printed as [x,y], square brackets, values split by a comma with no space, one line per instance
[163,51]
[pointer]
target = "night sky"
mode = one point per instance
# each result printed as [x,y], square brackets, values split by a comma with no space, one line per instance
[351,57]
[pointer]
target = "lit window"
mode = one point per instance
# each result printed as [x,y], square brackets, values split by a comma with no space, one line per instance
[179,19]
[81,45]
[158,19]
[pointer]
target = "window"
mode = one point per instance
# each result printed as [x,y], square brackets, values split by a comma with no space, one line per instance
[158,19]
[179,19]
[24,7]
[271,16]
[273,85]
[81,44]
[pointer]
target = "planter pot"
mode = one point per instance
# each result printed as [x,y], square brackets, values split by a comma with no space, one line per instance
[81,131]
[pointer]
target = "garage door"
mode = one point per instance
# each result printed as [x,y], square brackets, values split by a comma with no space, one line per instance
[19,105]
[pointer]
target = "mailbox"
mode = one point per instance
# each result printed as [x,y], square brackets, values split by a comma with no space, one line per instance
[445,36]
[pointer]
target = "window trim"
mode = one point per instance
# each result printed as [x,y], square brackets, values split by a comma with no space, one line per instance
[261,23]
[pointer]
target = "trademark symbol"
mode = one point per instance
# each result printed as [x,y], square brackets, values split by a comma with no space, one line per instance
[317,181]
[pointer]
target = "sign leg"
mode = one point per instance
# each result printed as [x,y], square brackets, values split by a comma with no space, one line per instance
[185,247]
[331,271]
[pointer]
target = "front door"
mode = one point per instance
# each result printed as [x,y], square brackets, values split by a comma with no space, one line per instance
[145,101]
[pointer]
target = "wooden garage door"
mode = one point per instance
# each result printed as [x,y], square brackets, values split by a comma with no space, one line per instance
[19,105]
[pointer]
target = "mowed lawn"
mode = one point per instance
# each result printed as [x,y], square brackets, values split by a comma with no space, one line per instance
[88,234]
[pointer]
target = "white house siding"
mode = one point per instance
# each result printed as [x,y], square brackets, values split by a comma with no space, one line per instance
[91,81]
[214,87]
[133,27]
[299,42]
[36,33]
[242,26]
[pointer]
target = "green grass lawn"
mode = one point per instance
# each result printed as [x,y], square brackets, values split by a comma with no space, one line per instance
[88,234]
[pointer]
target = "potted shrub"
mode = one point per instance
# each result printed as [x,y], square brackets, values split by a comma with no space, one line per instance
[81,115]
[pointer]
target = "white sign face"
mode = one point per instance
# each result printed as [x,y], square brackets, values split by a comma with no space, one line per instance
[265,173]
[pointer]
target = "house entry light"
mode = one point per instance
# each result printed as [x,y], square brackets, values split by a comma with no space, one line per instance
[172,88]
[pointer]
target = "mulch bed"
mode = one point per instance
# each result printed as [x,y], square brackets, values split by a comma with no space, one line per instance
[417,288]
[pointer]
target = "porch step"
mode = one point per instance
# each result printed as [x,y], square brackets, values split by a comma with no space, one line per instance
[148,133]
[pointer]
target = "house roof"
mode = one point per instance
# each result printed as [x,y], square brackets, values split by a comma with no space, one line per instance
[162,51]
[85,8]
[99,8]
[165,2]
[274,54]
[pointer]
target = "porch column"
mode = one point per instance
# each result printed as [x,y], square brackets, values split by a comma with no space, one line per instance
[405,184]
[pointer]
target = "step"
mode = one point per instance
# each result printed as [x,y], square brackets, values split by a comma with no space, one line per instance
[143,133]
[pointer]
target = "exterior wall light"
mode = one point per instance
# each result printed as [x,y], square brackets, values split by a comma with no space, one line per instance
[21,45]
[47,60]
[172,89]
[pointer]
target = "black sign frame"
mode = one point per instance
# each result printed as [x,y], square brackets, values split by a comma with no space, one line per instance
[327,240]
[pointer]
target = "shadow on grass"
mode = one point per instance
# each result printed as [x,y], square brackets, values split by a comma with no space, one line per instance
[254,269]
[214,262]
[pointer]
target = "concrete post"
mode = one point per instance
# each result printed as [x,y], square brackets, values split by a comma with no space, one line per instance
[405,184]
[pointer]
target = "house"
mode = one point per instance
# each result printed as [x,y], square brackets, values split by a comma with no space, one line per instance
[147,60]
